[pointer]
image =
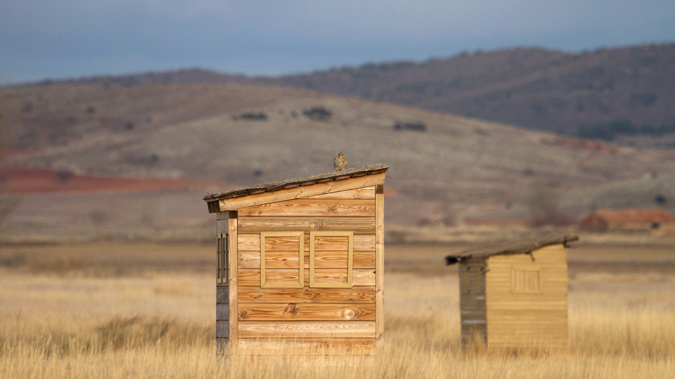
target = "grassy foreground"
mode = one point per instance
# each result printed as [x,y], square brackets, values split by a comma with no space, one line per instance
[68,322]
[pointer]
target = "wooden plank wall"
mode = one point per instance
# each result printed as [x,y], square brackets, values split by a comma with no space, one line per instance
[531,313]
[472,300]
[313,315]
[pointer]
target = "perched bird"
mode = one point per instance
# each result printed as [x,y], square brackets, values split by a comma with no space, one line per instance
[340,162]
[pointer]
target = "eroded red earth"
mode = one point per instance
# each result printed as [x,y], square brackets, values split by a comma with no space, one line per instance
[27,181]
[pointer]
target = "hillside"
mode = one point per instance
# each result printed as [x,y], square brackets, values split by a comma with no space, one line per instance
[442,166]
[534,88]
[620,94]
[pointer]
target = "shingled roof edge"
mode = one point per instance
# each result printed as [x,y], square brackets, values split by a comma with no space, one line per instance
[279,185]
[521,246]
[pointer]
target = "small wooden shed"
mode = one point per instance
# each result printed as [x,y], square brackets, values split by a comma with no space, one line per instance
[300,264]
[514,294]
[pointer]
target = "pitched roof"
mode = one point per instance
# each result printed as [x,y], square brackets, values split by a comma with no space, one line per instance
[292,183]
[521,246]
[635,215]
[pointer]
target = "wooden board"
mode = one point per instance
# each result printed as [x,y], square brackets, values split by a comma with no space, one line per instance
[303,329]
[379,262]
[306,312]
[300,192]
[366,193]
[358,225]
[326,278]
[327,259]
[251,242]
[307,346]
[312,208]
[517,318]
[233,278]
[270,278]
[251,277]
[307,295]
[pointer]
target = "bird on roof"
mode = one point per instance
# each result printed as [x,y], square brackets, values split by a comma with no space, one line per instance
[340,162]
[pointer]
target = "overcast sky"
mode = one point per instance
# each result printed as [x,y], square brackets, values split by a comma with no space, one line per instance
[74,38]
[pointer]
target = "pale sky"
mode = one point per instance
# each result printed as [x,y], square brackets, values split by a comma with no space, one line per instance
[56,39]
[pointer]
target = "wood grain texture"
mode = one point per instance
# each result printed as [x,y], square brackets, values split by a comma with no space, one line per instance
[233,277]
[366,193]
[522,319]
[307,346]
[379,260]
[325,278]
[327,259]
[312,208]
[251,242]
[306,312]
[358,225]
[307,295]
[300,192]
[270,278]
[251,277]
[303,329]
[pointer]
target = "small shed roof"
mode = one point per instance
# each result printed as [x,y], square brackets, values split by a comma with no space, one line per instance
[521,246]
[294,183]
[634,215]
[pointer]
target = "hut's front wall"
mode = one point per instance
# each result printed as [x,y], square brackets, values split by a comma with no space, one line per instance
[312,282]
[527,299]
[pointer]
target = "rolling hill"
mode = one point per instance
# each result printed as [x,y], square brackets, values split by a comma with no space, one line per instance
[622,94]
[443,167]
[533,88]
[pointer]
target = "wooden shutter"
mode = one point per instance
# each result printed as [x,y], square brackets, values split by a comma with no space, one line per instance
[331,259]
[286,246]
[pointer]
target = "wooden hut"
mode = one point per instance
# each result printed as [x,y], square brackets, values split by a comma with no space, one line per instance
[626,220]
[514,294]
[300,264]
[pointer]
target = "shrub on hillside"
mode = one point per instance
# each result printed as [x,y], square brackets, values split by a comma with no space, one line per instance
[318,114]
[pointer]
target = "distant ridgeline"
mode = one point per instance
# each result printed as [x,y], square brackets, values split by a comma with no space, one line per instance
[608,131]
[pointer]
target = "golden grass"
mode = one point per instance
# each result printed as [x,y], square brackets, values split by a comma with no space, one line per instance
[161,324]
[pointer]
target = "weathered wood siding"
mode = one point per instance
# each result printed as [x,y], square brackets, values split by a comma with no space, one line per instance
[222,286]
[526,299]
[310,317]
[472,300]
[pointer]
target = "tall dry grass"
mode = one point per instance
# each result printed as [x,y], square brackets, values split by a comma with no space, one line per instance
[604,343]
[68,323]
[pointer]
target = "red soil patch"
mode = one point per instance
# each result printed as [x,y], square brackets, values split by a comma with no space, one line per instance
[494,222]
[580,144]
[31,181]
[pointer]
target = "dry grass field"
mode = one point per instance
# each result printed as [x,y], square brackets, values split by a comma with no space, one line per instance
[148,310]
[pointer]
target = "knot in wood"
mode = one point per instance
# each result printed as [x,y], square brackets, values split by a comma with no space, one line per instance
[290,308]
[348,314]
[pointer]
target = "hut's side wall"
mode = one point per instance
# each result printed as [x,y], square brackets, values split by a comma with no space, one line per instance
[472,299]
[308,317]
[222,287]
[526,298]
